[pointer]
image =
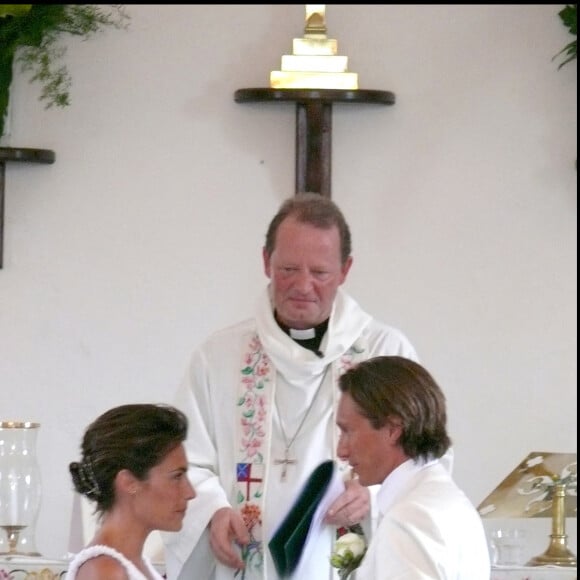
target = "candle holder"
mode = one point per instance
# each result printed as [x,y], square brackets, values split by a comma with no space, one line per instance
[557,553]
[20,487]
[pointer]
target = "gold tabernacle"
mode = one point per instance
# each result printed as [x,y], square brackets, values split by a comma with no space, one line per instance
[314,63]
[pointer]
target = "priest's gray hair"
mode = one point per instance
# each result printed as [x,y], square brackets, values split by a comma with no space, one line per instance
[316,210]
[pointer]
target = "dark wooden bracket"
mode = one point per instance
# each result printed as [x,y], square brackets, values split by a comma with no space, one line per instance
[21,155]
[314,126]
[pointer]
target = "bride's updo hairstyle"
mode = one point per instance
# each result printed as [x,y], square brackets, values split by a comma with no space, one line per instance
[135,437]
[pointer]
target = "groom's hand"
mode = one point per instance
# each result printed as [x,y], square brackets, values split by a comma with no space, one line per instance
[350,507]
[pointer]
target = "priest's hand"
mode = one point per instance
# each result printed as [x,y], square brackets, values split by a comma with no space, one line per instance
[350,507]
[226,529]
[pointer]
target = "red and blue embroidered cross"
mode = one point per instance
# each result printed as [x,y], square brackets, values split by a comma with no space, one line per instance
[244,474]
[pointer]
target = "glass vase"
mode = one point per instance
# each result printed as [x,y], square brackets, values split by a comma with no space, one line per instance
[20,487]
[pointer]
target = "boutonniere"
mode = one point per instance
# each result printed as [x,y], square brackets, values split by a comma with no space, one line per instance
[348,552]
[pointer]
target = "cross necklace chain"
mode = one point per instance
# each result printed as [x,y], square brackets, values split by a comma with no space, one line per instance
[287,444]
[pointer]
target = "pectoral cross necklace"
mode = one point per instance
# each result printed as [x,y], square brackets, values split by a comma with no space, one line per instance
[288,443]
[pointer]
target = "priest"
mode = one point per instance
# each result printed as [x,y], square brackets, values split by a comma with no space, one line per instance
[261,398]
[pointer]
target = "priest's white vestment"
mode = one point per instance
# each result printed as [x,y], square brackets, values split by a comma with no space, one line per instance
[209,394]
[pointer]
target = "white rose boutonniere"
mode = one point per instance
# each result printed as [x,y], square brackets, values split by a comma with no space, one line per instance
[348,553]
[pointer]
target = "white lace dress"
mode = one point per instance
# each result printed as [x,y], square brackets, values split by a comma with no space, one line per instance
[133,573]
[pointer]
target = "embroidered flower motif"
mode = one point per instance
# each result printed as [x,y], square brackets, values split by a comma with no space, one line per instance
[351,356]
[251,515]
[253,403]
[252,551]
[348,552]
[253,415]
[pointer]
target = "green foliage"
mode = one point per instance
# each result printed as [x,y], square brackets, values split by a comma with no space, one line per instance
[568,16]
[29,38]
[14,9]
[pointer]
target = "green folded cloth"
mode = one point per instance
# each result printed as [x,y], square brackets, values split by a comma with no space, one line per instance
[288,542]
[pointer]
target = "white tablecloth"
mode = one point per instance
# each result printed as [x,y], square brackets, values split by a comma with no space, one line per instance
[533,573]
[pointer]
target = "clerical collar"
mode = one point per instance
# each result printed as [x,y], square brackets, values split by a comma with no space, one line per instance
[305,334]
[309,338]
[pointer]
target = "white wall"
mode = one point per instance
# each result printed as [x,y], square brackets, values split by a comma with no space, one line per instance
[146,233]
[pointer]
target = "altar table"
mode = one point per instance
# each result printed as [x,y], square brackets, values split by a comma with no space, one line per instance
[533,573]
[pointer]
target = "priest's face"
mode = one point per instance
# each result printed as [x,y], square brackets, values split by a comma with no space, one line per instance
[372,453]
[305,270]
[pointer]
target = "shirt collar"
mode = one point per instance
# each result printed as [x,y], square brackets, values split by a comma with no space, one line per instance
[396,482]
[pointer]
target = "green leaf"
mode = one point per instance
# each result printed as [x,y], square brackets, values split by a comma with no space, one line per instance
[14,9]
[29,35]
[568,16]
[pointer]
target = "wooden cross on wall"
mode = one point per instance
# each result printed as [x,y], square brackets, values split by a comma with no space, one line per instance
[17,154]
[313,104]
